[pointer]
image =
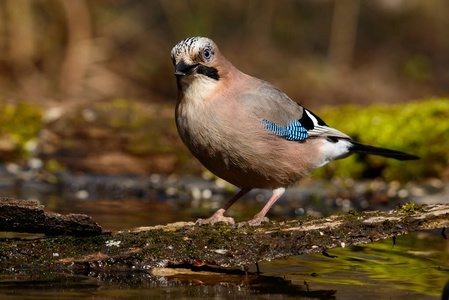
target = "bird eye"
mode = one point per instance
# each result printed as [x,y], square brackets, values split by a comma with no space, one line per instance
[207,53]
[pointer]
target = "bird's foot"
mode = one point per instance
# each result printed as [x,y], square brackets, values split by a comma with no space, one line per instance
[215,218]
[256,221]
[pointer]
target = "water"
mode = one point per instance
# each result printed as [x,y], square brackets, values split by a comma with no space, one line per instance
[416,267]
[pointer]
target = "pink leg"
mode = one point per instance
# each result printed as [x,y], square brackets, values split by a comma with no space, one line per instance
[218,215]
[260,217]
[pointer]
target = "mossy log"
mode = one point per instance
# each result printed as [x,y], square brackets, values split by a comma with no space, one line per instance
[28,216]
[146,248]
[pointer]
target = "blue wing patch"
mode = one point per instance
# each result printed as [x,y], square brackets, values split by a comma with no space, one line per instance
[293,132]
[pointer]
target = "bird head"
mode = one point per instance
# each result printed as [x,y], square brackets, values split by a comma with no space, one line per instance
[196,56]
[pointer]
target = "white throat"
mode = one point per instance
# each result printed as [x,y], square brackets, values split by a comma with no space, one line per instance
[197,88]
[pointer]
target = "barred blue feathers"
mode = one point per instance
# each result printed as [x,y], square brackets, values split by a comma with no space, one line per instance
[294,132]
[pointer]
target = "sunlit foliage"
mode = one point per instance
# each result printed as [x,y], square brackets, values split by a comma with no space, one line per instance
[418,128]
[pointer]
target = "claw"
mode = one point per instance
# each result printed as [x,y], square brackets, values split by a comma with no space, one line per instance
[215,218]
[253,222]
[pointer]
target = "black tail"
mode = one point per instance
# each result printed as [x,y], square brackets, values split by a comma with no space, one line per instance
[366,149]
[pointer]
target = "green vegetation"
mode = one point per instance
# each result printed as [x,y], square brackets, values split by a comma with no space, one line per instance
[20,124]
[389,225]
[417,128]
[351,215]
[145,128]
[142,130]
[409,208]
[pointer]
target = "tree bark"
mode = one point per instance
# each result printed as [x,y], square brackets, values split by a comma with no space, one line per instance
[28,216]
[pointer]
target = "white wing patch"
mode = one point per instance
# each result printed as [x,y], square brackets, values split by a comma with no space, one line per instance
[323,131]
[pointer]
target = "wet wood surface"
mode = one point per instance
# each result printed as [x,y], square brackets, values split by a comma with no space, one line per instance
[77,243]
[28,216]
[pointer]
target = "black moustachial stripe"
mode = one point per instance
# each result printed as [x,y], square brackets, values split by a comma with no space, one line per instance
[208,71]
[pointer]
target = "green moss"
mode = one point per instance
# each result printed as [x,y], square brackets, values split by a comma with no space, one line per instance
[414,127]
[20,124]
[388,225]
[149,130]
[374,213]
[409,208]
[264,248]
[308,218]
[351,215]
[281,234]
[152,251]
[49,243]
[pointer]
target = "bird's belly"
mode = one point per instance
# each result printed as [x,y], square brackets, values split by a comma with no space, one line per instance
[255,166]
[283,166]
[247,155]
[242,176]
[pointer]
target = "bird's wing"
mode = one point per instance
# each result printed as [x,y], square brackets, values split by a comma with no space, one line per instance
[284,117]
[318,127]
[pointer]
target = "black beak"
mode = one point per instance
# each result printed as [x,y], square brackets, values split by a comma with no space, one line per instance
[184,70]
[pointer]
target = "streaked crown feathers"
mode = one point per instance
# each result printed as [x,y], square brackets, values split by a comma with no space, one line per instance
[190,48]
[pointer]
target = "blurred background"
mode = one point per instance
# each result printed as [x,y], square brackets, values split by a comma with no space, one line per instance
[87,97]
[319,52]
[87,87]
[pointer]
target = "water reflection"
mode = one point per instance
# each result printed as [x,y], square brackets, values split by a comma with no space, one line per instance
[417,267]
[119,201]
[176,284]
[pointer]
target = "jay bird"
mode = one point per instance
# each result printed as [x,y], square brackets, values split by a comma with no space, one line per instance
[247,131]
